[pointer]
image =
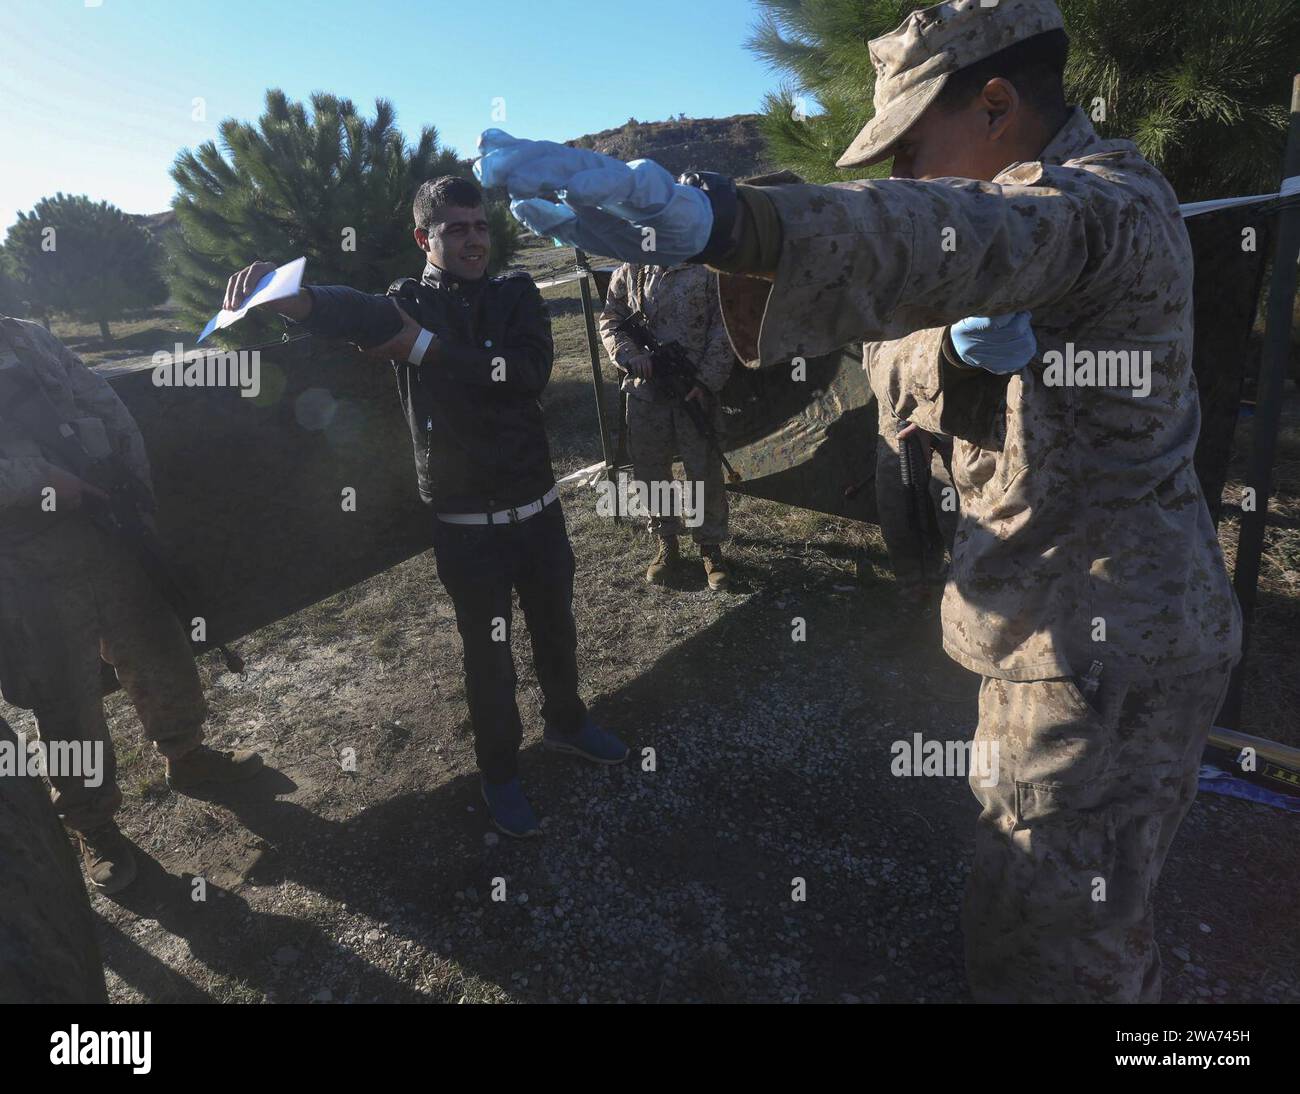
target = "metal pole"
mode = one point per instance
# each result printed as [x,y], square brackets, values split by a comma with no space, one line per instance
[593,347]
[1272,372]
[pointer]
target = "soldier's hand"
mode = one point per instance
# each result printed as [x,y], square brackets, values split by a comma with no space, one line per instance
[924,438]
[641,368]
[398,348]
[243,283]
[699,394]
[70,491]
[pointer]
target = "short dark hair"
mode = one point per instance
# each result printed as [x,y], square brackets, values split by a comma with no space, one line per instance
[1035,67]
[437,194]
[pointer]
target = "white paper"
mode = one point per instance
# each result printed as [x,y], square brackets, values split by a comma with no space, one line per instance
[284,281]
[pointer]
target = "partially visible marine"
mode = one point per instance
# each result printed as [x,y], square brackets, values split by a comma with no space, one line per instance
[48,952]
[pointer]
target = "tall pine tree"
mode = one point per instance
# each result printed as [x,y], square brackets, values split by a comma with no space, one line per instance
[82,258]
[1200,87]
[328,184]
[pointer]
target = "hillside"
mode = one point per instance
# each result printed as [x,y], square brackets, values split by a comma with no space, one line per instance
[733,146]
[159,225]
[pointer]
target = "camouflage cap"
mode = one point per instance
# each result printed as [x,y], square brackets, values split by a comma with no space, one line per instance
[914,62]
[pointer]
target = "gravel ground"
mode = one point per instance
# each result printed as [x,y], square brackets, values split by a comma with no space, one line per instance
[674,878]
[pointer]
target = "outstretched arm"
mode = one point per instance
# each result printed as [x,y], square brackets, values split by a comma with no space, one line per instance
[877,260]
[375,324]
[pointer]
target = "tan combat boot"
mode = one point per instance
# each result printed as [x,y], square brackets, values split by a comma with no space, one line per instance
[107,857]
[667,559]
[715,566]
[204,765]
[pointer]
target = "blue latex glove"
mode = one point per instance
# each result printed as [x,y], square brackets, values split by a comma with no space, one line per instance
[1003,344]
[605,206]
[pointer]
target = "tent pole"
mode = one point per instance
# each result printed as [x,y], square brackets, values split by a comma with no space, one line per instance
[593,348]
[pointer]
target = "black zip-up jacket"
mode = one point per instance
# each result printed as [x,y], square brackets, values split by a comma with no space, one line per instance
[475,420]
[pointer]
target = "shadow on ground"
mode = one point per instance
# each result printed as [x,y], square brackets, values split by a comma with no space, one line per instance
[760,851]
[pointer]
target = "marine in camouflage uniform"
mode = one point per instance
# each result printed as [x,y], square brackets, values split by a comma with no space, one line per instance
[1088,588]
[71,594]
[680,304]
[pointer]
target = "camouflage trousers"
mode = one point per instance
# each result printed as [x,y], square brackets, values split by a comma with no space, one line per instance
[656,433]
[916,559]
[1074,834]
[83,597]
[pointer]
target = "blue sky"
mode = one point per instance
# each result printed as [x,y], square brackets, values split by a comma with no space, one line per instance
[96,96]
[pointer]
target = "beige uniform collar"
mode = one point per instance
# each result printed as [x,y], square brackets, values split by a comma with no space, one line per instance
[1074,139]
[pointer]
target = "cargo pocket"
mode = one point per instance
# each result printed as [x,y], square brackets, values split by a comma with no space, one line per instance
[1101,844]
[1039,802]
[1150,790]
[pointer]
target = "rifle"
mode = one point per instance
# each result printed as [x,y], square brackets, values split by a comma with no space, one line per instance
[676,374]
[914,468]
[25,402]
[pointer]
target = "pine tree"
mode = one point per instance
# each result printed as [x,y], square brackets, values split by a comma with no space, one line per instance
[1201,88]
[89,260]
[13,300]
[331,185]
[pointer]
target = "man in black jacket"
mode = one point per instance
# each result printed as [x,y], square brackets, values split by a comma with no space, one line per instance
[472,355]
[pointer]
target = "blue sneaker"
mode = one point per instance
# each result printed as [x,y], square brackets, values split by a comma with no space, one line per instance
[590,742]
[509,809]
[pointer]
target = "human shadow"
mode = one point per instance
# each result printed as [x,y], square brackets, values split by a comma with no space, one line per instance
[253,953]
[704,874]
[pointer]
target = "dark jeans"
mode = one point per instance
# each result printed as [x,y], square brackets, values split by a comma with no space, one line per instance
[479,564]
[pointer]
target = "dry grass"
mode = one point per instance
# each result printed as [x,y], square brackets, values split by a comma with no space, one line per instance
[138,334]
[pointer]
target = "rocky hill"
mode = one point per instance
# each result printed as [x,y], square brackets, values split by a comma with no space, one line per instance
[733,146]
[158,225]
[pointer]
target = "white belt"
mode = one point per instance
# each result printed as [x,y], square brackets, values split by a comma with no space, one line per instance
[504,516]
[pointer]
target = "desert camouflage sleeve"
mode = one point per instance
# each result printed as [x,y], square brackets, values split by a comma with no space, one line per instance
[620,347]
[95,396]
[877,260]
